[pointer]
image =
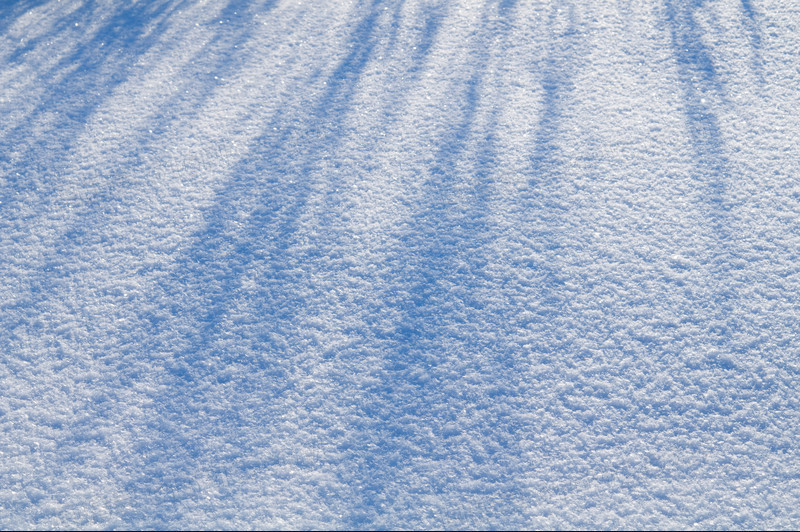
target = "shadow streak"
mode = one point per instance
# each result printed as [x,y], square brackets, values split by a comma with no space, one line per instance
[45,159]
[90,73]
[753,26]
[252,231]
[12,10]
[702,90]
[441,338]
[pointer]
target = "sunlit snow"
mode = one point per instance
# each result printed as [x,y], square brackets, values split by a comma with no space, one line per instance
[399,264]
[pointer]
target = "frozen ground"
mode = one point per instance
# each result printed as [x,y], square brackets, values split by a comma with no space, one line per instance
[400,264]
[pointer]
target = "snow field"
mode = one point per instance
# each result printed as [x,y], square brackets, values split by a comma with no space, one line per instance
[399,264]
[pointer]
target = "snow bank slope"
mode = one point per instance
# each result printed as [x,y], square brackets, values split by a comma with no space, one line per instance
[399,264]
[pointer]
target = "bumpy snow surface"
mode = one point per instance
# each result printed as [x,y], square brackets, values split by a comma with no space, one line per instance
[400,264]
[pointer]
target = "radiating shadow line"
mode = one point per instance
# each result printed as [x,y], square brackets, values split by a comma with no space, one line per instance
[702,88]
[49,283]
[12,10]
[552,222]
[119,44]
[105,62]
[435,280]
[703,91]
[83,16]
[31,179]
[432,16]
[432,282]
[290,150]
[506,9]
[266,194]
[753,26]
[69,243]
[40,167]
[546,210]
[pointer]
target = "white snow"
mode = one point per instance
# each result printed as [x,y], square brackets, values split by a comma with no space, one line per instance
[399,264]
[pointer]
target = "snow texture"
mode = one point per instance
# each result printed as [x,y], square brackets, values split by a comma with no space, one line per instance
[400,264]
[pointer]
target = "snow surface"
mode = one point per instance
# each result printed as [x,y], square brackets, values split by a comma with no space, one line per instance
[400,264]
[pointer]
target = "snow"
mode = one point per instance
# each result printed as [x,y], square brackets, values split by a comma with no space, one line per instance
[399,264]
